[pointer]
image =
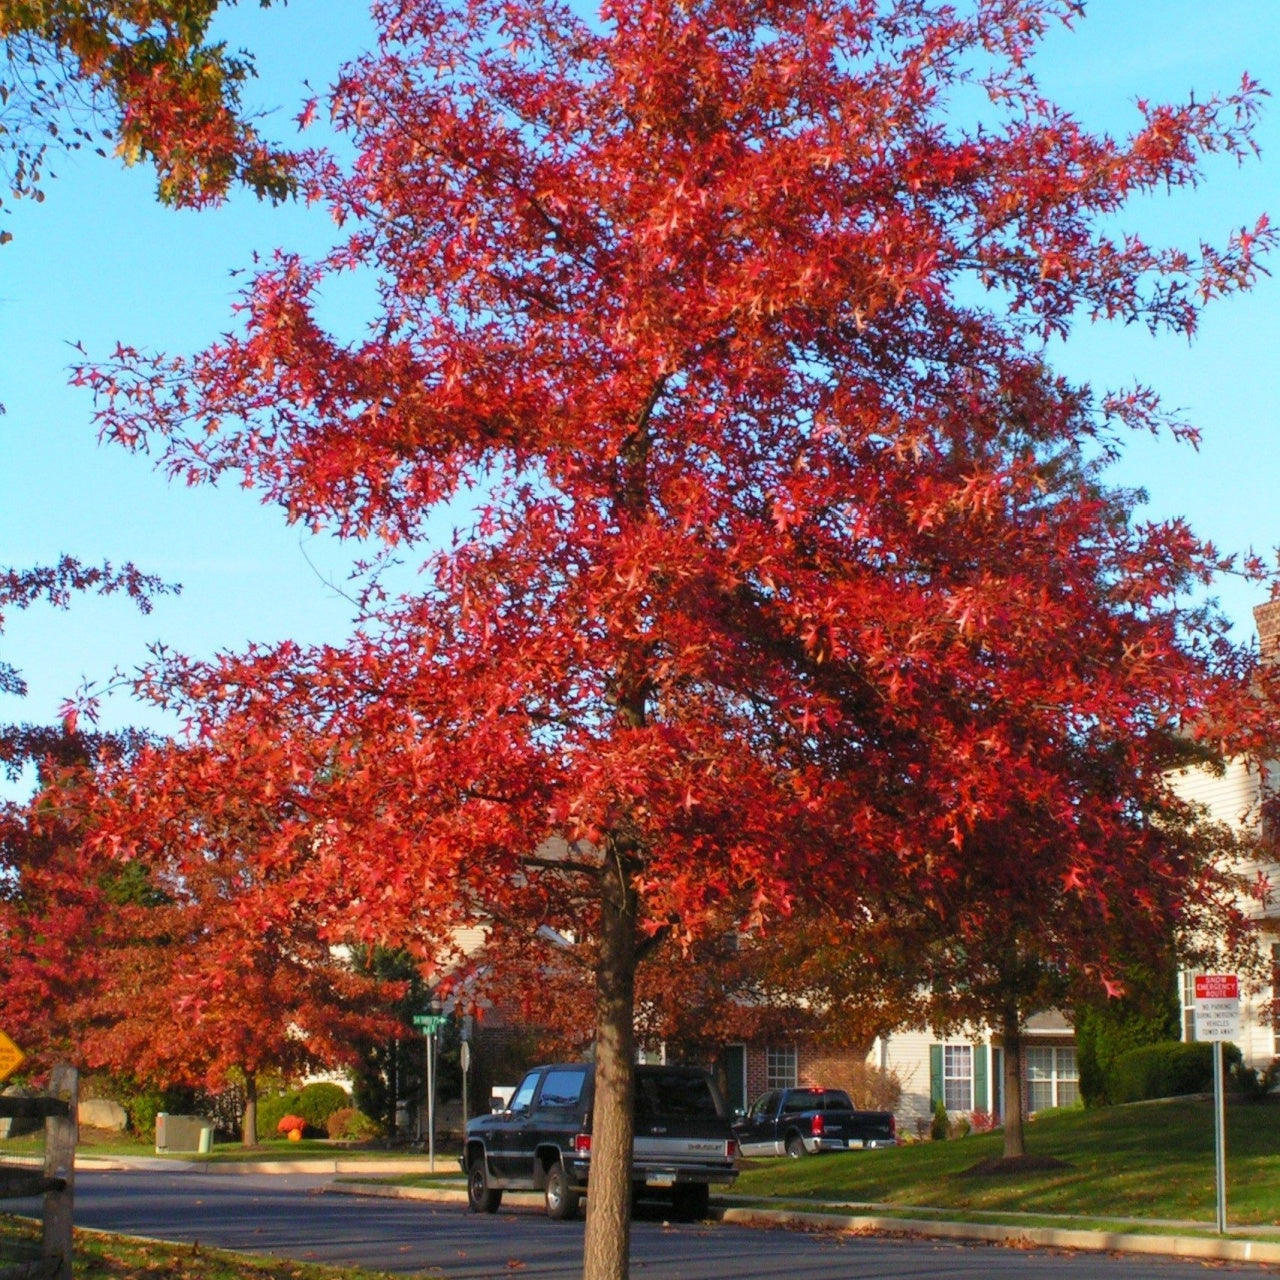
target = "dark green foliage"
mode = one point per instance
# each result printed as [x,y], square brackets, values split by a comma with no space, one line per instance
[1166,1070]
[317,1102]
[145,1104]
[1255,1083]
[1105,1031]
[273,1107]
[941,1126]
[393,1074]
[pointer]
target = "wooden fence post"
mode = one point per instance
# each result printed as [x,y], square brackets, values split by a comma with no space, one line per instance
[60,1163]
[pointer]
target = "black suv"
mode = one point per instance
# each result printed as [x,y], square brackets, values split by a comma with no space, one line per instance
[684,1142]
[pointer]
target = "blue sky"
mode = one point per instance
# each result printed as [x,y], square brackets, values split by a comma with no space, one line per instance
[98,261]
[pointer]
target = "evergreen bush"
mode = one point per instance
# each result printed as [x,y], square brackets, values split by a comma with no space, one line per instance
[1165,1070]
[317,1102]
[941,1126]
[273,1107]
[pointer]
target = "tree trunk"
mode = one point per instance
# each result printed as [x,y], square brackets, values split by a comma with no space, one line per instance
[607,1247]
[1011,1032]
[249,1125]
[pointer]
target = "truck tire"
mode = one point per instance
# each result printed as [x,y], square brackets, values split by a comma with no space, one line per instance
[690,1201]
[562,1204]
[481,1197]
[795,1147]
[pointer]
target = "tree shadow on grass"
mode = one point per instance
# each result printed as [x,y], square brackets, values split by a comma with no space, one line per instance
[1008,1166]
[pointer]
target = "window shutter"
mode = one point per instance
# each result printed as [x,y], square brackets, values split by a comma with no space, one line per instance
[935,1074]
[981,1097]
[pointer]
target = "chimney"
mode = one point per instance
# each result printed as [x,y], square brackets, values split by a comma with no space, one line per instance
[1267,619]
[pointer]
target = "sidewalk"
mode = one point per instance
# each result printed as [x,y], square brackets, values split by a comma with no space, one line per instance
[1260,1244]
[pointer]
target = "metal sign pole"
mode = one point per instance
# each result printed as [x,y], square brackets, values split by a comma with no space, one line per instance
[1220,1136]
[431,1096]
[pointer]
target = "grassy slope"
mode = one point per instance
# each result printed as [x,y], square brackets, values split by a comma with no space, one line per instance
[1152,1161]
[100,1257]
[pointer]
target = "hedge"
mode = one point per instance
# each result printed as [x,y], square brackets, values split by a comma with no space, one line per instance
[1165,1070]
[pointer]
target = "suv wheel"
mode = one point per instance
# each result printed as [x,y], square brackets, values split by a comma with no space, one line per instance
[562,1204]
[481,1197]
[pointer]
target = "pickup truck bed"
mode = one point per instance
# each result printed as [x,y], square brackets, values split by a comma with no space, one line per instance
[805,1121]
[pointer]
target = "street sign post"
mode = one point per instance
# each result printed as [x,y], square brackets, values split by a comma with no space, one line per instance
[430,1024]
[1217,1013]
[11,1057]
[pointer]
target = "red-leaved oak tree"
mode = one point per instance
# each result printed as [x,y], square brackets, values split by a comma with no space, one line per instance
[728,318]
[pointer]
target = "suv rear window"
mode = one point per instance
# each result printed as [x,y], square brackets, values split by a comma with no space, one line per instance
[673,1093]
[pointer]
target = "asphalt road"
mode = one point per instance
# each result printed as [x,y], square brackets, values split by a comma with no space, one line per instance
[289,1215]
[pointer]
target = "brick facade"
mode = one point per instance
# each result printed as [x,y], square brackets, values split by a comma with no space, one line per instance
[1267,619]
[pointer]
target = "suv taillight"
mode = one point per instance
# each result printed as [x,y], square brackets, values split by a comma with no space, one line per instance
[817,1127]
[731,1149]
[582,1144]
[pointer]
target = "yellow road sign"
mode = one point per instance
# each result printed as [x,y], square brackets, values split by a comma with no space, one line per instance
[11,1057]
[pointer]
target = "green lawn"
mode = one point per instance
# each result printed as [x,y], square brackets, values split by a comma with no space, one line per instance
[98,1143]
[103,1257]
[1151,1161]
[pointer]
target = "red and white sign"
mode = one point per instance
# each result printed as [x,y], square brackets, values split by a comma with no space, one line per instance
[1217,986]
[1217,1006]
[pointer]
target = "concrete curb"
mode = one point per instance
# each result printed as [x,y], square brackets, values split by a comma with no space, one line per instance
[1205,1248]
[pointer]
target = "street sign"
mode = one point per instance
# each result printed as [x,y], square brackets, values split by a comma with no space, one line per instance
[1217,1006]
[430,1022]
[11,1057]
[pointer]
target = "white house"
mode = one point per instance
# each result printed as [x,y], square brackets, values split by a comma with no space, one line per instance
[1234,798]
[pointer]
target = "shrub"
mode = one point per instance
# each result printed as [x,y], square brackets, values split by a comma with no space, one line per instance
[872,1088]
[289,1125]
[941,1125]
[273,1107]
[1254,1083]
[318,1102]
[144,1105]
[1105,1031]
[1164,1071]
[349,1125]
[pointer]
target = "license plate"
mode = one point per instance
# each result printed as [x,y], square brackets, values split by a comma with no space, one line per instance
[660,1180]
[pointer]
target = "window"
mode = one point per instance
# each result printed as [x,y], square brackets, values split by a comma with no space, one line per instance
[1188,1006]
[1275,998]
[780,1067]
[562,1089]
[524,1094]
[1053,1078]
[957,1077]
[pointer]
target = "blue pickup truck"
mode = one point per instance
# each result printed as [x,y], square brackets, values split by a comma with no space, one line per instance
[805,1121]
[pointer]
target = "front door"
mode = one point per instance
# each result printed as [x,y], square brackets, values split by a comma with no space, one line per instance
[731,1076]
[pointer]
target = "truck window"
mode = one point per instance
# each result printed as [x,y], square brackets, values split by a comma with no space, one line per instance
[562,1090]
[673,1094]
[803,1100]
[523,1098]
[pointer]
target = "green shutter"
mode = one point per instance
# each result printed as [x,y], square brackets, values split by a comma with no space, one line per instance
[935,1074]
[980,1095]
